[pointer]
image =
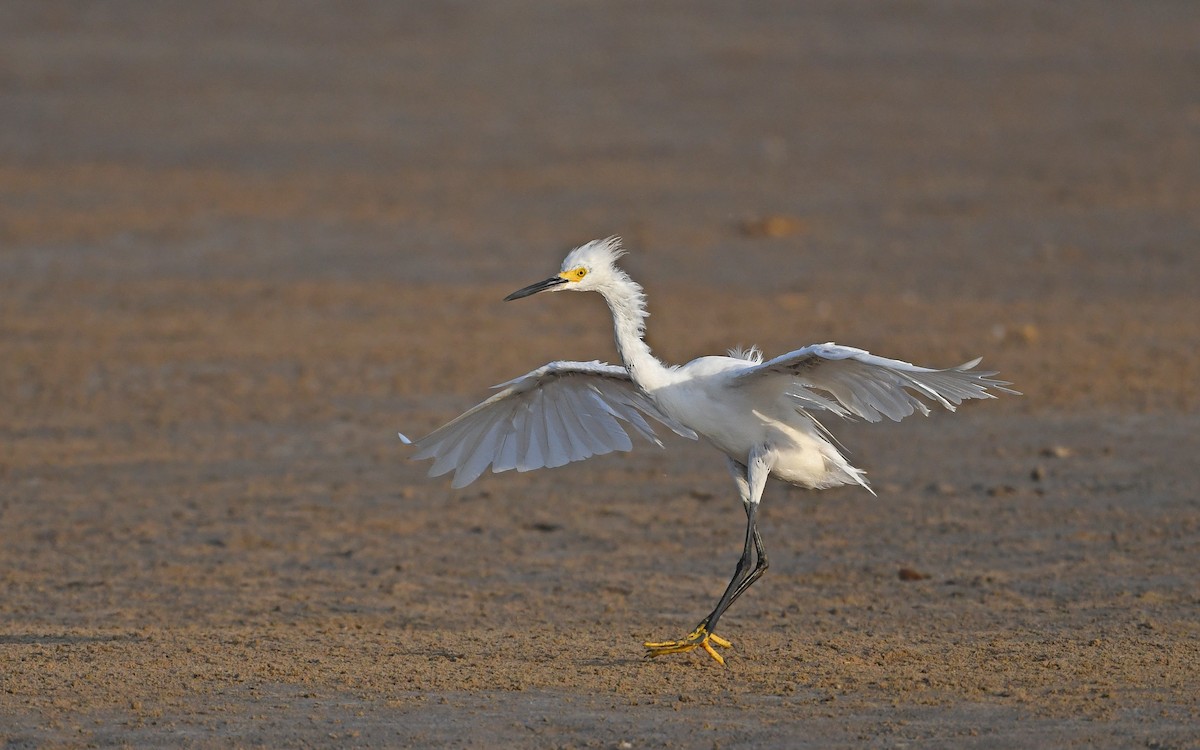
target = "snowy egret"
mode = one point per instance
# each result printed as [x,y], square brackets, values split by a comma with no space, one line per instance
[761,414]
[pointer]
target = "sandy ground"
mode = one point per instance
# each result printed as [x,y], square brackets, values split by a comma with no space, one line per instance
[242,244]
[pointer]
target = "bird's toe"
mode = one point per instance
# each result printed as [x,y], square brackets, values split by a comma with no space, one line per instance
[698,638]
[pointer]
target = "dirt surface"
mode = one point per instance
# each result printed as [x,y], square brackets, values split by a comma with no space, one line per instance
[242,244]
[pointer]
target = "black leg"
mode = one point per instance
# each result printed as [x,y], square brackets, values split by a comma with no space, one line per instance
[741,580]
[760,567]
[750,478]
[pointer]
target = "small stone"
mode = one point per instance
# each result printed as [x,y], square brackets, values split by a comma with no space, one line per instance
[1021,334]
[772,225]
[1038,473]
[911,574]
[1026,334]
[1057,451]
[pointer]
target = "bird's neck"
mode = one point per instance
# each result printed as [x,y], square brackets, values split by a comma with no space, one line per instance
[628,305]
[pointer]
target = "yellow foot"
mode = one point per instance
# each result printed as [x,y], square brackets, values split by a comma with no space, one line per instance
[698,638]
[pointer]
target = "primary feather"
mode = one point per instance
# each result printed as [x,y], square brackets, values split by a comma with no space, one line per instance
[558,413]
[868,386]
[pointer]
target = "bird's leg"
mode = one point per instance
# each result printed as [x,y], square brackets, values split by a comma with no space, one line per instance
[760,566]
[750,481]
[739,477]
[703,635]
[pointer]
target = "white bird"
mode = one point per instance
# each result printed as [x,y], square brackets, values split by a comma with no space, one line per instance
[762,415]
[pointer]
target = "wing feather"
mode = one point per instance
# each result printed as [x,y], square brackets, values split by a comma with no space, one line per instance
[510,442]
[869,386]
[557,434]
[477,457]
[458,442]
[539,443]
[606,419]
[588,416]
[558,413]
[579,444]
[628,412]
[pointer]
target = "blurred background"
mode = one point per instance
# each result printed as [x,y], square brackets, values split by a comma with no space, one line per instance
[242,243]
[455,141]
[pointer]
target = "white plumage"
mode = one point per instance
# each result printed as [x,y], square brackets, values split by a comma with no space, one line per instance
[762,415]
[560,412]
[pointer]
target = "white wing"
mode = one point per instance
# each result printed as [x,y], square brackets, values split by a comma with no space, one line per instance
[868,386]
[560,412]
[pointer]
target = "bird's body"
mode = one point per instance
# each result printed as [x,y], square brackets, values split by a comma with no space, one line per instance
[703,395]
[761,415]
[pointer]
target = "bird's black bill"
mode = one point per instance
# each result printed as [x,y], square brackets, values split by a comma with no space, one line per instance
[541,286]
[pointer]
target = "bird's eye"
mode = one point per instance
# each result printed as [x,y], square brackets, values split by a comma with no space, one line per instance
[580,273]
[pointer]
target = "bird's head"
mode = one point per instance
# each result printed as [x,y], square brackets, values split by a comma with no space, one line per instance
[586,268]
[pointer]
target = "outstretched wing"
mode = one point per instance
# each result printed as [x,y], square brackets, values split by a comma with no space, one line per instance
[867,386]
[560,412]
